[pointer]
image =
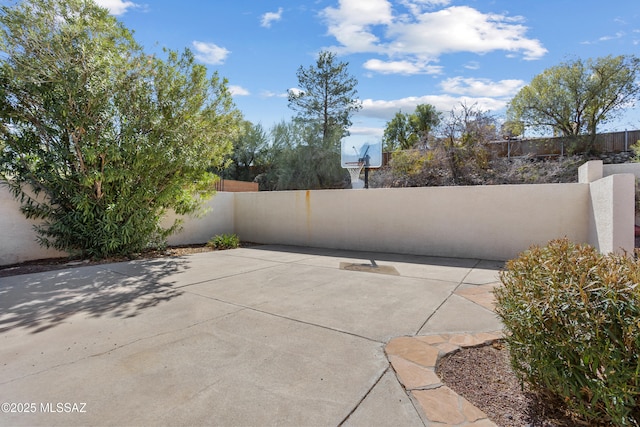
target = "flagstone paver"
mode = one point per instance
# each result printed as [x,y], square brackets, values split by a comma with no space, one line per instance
[482,295]
[414,361]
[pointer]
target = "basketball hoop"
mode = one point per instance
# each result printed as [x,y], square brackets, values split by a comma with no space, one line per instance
[355,156]
[354,169]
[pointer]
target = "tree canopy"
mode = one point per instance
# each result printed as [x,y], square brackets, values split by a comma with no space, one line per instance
[575,97]
[249,147]
[407,131]
[98,138]
[326,96]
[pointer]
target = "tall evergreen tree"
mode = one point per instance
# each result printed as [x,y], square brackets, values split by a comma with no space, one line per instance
[326,96]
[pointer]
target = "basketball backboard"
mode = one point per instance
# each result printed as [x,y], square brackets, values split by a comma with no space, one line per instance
[352,152]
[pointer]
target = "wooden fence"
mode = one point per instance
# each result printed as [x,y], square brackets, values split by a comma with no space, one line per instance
[233,186]
[613,142]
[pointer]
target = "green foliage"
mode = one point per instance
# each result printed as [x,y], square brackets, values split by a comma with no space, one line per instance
[408,162]
[406,131]
[99,139]
[326,96]
[310,162]
[636,151]
[224,241]
[249,151]
[572,324]
[512,129]
[296,158]
[397,134]
[575,97]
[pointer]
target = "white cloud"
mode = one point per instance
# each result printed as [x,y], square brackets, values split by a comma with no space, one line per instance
[351,23]
[271,94]
[401,67]
[482,87]
[416,7]
[366,131]
[238,90]
[421,37]
[210,53]
[386,109]
[463,29]
[472,65]
[270,17]
[617,35]
[117,7]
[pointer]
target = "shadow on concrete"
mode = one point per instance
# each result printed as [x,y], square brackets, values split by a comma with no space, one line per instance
[43,300]
[373,257]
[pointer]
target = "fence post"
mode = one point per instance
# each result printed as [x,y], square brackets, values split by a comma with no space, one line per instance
[626,140]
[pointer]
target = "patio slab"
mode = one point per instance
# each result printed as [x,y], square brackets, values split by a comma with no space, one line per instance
[254,336]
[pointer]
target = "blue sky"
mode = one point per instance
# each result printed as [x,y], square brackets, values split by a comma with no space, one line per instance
[402,52]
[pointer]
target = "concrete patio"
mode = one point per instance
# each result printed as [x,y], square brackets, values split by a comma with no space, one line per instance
[267,335]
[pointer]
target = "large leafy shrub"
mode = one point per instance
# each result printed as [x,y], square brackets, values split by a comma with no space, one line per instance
[99,139]
[572,320]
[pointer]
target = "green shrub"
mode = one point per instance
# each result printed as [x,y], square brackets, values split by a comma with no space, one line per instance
[408,162]
[572,321]
[224,241]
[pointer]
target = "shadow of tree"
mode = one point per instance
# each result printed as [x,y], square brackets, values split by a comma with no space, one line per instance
[43,300]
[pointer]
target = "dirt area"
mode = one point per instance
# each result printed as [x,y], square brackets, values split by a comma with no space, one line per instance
[484,377]
[38,266]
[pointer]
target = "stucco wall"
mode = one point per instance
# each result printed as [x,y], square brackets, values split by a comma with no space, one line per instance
[217,219]
[632,168]
[612,213]
[490,222]
[18,238]
[612,192]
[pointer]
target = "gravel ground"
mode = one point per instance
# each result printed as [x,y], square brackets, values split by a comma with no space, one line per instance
[484,377]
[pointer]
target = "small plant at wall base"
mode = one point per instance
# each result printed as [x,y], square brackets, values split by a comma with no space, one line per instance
[571,317]
[224,241]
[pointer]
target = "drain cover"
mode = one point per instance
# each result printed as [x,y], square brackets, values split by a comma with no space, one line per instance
[370,268]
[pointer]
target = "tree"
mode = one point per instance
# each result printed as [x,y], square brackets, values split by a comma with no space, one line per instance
[304,160]
[326,96]
[575,97]
[464,135]
[397,133]
[512,129]
[99,138]
[423,121]
[248,149]
[407,131]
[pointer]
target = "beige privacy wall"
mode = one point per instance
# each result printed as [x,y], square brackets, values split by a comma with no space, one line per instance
[18,239]
[487,222]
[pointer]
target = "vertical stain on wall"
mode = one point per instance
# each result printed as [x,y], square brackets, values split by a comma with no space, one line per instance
[307,200]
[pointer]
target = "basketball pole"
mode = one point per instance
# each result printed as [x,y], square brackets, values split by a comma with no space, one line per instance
[365,159]
[366,172]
